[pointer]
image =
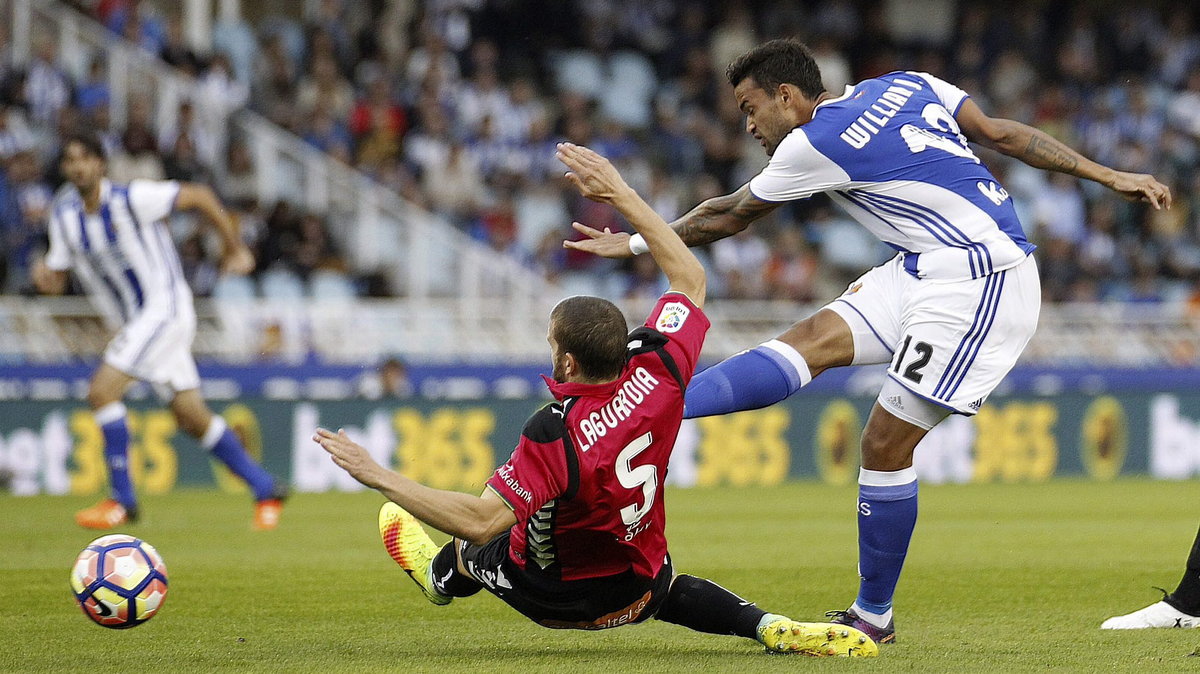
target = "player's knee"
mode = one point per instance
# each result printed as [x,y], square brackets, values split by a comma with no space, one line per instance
[822,342]
[882,452]
[193,422]
[97,397]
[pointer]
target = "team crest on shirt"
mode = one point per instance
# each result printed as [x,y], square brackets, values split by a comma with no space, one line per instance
[672,317]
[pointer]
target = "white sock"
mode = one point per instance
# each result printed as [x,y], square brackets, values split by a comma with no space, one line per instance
[764,621]
[877,619]
[793,358]
[216,428]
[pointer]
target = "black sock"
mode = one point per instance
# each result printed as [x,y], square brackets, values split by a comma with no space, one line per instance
[1186,597]
[446,577]
[704,606]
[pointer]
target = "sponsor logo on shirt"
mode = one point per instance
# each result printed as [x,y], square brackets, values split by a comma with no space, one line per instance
[505,474]
[672,317]
[992,191]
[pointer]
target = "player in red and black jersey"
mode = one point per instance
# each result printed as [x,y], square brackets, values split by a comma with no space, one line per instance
[570,530]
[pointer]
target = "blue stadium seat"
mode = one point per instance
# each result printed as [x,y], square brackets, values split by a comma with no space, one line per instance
[330,285]
[236,288]
[281,284]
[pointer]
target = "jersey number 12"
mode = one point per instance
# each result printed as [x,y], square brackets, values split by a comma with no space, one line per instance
[923,352]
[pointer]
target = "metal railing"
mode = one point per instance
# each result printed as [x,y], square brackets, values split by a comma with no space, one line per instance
[423,256]
[57,329]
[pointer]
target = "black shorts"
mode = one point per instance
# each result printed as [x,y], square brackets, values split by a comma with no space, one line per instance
[588,604]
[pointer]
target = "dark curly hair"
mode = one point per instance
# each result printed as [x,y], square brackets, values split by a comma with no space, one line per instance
[778,62]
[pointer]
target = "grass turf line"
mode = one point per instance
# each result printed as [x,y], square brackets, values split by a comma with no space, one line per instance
[1000,578]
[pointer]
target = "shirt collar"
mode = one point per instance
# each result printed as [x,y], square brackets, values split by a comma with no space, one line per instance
[574,389]
[845,94]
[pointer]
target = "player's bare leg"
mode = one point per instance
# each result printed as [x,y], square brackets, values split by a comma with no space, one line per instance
[198,421]
[888,441]
[191,413]
[105,391]
[774,370]
[887,514]
[823,339]
[108,385]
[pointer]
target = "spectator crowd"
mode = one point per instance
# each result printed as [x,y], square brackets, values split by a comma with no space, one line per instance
[456,105]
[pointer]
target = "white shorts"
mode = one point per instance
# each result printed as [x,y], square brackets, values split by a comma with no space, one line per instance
[158,350]
[949,342]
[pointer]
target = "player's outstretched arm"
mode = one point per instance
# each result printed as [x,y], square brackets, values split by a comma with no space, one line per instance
[723,216]
[712,219]
[1040,150]
[470,518]
[597,179]
[236,257]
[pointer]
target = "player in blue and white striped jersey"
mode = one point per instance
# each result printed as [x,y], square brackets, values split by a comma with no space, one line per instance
[115,239]
[951,311]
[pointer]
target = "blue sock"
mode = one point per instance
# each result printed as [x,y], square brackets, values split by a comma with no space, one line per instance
[749,380]
[225,445]
[887,513]
[111,419]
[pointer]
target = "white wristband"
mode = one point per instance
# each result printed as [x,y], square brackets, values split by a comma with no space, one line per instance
[637,245]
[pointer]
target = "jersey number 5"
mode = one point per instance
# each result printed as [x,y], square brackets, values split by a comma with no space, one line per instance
[631,478]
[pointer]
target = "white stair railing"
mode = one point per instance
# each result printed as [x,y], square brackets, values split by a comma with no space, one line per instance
[422,255]
[56,329]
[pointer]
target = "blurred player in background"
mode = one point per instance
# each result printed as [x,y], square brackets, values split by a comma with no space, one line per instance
[116,241]
[951,312]
[1180,608]
[571,531]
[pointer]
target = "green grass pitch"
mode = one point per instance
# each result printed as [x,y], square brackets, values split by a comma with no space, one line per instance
[1004,578]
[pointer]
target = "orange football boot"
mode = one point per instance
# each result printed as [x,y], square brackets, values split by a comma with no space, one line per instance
[106,514]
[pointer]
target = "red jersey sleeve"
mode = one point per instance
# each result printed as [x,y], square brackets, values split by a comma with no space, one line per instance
[684,325]
[537,471]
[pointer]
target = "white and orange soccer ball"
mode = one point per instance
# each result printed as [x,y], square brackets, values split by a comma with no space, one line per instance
[119,581]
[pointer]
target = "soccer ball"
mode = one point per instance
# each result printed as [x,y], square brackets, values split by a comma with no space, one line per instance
[119,581]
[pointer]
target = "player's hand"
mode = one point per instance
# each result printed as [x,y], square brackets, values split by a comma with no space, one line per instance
[237,260]
[1141,187]
[41,276]
[594,176]
[605,244]
[349,456]
[46,280]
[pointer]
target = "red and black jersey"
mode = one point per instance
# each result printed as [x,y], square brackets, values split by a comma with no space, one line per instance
[586,479]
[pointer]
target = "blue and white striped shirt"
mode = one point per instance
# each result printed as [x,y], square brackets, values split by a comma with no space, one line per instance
[122,254]
[891,153]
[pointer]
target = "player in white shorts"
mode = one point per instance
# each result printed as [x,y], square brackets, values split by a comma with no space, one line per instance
[115,239]
[951,312]
[949,343]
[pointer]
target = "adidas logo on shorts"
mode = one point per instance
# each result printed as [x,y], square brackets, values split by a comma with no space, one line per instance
[975,405]
[895,401]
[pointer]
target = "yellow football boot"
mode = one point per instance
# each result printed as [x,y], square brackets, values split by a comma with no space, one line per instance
[411,548]
[785,635]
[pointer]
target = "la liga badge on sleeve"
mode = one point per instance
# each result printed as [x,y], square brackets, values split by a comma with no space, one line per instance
[672,316]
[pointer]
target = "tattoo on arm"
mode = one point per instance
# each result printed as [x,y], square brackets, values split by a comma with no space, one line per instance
[1046,152]
[720,217]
